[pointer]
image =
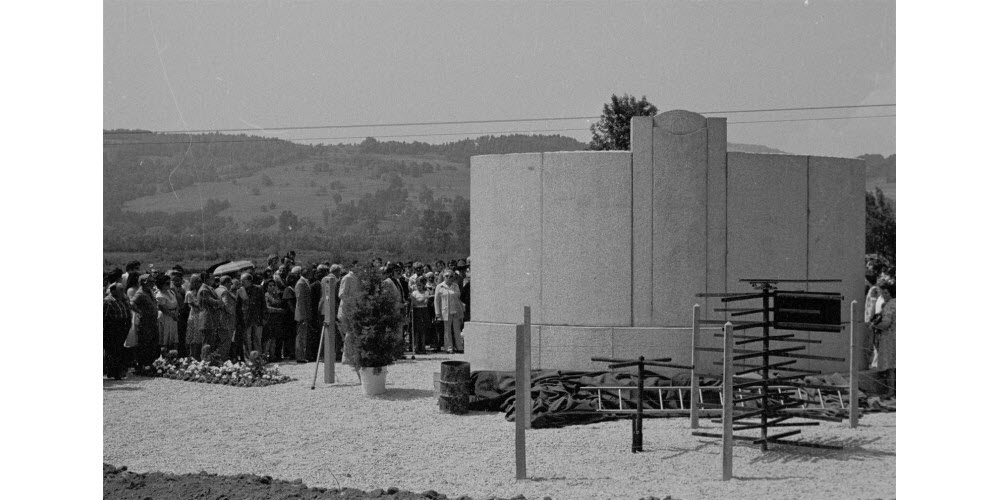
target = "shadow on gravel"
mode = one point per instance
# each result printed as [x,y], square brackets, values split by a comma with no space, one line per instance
[780,478]
[678,452]
[854,449]
[406,394]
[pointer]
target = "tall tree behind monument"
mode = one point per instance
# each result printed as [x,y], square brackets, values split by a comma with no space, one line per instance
[612,131]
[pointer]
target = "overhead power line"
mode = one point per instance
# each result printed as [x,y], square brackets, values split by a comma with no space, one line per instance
[812,119]
[471,122]
[269,139]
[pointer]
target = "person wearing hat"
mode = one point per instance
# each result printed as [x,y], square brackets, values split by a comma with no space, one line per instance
[147,327]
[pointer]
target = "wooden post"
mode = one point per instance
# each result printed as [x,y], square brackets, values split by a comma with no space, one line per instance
[526,366]
[521,386]
[695,327]
[853,392]
[330,352]
[727,405]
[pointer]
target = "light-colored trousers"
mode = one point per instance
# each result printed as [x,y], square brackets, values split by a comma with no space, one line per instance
[453,332]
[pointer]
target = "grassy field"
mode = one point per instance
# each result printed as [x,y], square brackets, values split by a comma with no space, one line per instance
[298,188]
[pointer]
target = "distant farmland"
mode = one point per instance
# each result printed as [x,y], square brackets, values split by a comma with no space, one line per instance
[298,188]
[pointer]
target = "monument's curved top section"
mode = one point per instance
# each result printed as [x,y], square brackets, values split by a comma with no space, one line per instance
[680,122]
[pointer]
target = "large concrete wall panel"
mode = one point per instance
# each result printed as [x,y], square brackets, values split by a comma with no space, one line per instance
[571,347]
[506,234]
[586,225]
[492,346]
[767,218]
[680,149]
[642,220]
[837,246]
[674,343]
[715,216]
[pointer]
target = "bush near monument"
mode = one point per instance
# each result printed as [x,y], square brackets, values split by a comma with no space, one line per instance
[374,323]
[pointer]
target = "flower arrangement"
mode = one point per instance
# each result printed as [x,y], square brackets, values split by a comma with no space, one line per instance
[374,322]
[212,371]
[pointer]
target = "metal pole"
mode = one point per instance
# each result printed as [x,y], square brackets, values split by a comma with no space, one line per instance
[637,428]
[322,335]
[330,352]
[520,388]
[526,354]
[763,373]
[727,405]
[853,393]
[695,327]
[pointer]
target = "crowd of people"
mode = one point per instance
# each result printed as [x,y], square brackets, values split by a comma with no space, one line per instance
[277,310]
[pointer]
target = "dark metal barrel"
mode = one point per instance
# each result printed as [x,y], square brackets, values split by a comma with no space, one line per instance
[455,376]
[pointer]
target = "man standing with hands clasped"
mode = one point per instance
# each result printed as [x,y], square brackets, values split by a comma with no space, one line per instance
[448,309]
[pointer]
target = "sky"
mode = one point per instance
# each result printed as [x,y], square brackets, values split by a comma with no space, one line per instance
[183,65]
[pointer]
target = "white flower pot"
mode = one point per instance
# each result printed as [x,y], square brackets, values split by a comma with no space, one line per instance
[373,383]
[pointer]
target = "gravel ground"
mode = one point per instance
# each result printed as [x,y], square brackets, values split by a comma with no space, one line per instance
[335,437]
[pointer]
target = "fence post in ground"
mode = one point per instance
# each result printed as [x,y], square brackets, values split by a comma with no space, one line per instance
[727,405]
[522,391]
[330,352]
[526,366]
[695,402]
[855,358]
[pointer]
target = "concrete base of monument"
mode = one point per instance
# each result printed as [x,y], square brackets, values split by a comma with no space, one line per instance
[490,346]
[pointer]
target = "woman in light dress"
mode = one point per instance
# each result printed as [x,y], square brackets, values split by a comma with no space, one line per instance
[167,303]
[885,322]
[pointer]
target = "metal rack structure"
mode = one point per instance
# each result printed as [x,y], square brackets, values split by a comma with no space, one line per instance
[771,359]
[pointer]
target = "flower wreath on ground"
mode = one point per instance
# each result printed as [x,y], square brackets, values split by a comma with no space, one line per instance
[252,373]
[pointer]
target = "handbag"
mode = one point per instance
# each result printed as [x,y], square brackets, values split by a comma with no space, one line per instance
[132,339]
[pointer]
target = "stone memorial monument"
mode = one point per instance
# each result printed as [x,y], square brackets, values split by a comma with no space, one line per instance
[609,248]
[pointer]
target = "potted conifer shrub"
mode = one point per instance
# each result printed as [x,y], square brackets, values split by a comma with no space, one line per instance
[374,330]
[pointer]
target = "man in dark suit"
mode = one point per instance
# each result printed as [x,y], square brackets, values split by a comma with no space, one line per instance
[303,312]
[316,321]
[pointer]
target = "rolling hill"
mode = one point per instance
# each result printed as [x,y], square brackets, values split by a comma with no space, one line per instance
[173,193]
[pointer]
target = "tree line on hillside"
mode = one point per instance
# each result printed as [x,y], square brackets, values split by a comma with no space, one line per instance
[461,151]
